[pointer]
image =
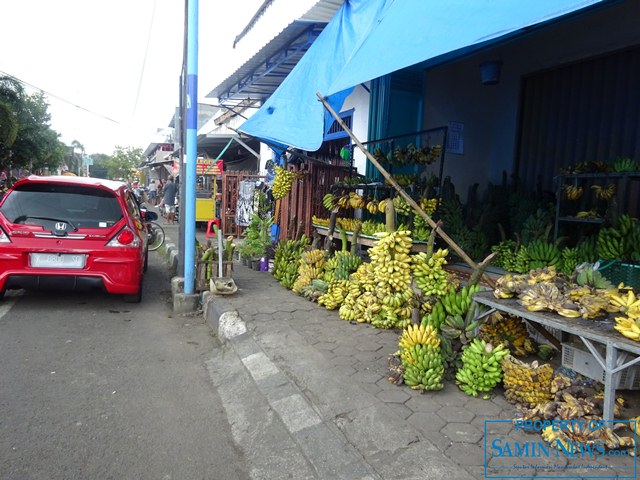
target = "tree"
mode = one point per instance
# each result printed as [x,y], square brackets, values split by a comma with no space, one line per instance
[99,168]
[26,139]
[123,161]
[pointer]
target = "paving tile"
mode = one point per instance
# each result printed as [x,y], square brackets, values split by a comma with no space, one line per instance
[454,413]
[368,346]
[393,396]
[466,454]
[342,350]
[483,407]
[400,410]
[343,360]
[426,422]
[424,403]
[462,432]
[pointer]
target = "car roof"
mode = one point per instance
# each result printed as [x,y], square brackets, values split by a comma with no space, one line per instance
[113,185]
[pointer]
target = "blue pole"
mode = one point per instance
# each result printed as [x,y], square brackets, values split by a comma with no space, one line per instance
[191,146]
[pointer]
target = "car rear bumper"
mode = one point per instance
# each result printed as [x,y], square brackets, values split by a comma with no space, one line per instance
[116,275]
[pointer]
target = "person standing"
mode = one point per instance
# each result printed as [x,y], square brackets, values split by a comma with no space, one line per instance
[169,200]
[153,190]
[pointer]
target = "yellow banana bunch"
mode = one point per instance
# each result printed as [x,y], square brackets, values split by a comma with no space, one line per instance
[282,182]
[372,206]
[628,327]
[526,383]
[604,193]
[588,214]
[628,304]
[429,205]
[572,192]
[356,201]
[382,205]
[323,222]
[418,335]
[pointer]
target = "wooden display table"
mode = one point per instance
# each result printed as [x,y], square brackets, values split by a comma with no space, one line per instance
[589,330]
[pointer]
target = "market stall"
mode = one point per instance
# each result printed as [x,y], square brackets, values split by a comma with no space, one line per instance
[591,332]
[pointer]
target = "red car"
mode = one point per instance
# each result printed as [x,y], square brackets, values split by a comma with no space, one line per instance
[72,233]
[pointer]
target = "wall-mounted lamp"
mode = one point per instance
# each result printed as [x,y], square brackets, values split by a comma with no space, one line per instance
[490,72]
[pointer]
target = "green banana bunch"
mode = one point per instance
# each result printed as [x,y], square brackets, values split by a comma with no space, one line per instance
[568,260]
[522,260]
[421,358]
[436,316]
[337,291]
[481,367]
[286,258]
[610,244]
[328,201]
[429,273]
[457,302]
[624,164]
[505,254]
[542,254]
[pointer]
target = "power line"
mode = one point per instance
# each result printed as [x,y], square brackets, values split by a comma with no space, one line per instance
[144,61]
[60,98]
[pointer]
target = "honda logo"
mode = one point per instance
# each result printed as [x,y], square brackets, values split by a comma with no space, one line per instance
[61,226]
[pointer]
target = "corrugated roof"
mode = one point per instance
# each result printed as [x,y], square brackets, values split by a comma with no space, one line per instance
[259,77]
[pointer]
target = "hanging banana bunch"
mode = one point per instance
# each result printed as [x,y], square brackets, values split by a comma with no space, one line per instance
[572,192]
[604,193]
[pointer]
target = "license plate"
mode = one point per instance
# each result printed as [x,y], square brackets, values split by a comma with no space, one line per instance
[57,260]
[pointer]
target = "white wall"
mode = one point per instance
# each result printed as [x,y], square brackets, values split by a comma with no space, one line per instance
[490,113]
[359,101]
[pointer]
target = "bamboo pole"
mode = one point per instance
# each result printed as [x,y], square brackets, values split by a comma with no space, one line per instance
[478,269]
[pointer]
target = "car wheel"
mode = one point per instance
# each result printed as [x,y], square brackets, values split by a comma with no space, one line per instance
[2,293]
[135,297]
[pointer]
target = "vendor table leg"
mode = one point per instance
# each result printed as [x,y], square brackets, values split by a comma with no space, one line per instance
[609,385]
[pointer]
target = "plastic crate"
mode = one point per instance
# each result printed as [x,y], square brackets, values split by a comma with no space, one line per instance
[584,363]
[618,271]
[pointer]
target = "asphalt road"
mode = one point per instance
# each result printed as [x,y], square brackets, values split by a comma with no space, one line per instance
[95,388]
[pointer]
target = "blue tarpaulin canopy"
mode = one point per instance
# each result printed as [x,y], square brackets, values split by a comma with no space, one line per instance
[367,39]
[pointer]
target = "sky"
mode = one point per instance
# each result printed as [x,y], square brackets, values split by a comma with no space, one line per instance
[111,70]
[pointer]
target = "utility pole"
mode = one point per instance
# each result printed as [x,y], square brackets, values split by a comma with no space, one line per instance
[191,145]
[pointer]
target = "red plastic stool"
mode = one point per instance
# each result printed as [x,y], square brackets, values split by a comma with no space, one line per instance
[210,230]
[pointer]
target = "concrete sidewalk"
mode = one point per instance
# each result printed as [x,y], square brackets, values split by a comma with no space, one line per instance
[307,395]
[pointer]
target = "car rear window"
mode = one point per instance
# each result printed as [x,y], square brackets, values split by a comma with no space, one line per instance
[82,206]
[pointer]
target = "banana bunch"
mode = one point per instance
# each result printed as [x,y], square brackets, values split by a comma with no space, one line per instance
[384,298]
[457,302]
[635,425]
[423,368]
[588,214]
[323,222]
[542,254]
[628,304]
[588,275]
[286,259]
[282,182]
[404,180]
[572,192]
[628,327]
[569,260]
[429,273]
[372,206]
[625,164]
[421,233]
[481,367]
[436,316]
[337,291]
[418,335]
[402,207]
[511,284]
[429,205]
[382,205]
[310,268]
[604,193]
[522,260]
[547,296]
[341,266]
[328,201]
[508,330]
[356,201]
[421,358]
[348,224]
[620,243]
[524,383]
[369,227]
[505,254]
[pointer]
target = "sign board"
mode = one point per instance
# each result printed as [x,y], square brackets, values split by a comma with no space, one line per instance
[208,166]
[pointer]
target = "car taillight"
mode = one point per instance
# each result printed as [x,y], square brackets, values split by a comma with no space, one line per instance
[4,238]
[124,238]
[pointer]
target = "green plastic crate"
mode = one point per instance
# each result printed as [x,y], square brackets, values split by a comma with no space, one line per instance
[618,271]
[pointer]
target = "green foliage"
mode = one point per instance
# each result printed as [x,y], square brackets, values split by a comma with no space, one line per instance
[122,161]
[26,138]
[258,237]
